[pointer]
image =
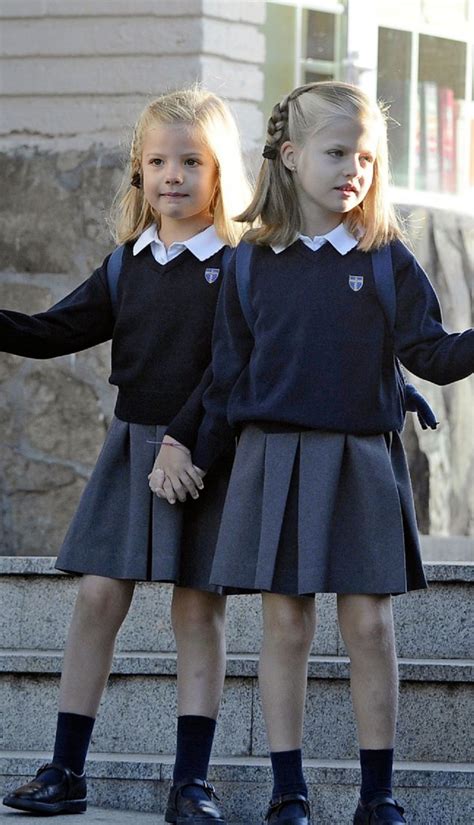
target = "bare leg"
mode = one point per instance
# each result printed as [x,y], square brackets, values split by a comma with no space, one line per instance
[101,607]
[288,630]
[199,626]
[366,624]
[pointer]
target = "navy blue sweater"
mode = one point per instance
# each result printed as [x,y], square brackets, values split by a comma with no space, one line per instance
[161,336]
[320,354]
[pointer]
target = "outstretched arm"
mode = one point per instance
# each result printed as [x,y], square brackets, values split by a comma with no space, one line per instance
[82,319]
[420,340]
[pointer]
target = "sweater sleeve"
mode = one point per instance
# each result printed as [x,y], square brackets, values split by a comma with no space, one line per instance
[420,340]
[185,424]
[231,349]
[81,320]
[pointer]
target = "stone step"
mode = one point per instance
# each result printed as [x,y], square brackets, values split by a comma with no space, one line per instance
[36,603]
[138,709]
[433,793]
[95,816]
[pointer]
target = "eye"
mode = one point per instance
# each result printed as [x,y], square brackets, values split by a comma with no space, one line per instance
[367,159]
[156,162]
[336,153]
[192,162]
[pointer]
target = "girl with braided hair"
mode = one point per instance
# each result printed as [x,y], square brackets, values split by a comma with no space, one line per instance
[184,182]
[303,368]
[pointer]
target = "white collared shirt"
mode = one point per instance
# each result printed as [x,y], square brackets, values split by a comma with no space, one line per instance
[340,238]
[202,245]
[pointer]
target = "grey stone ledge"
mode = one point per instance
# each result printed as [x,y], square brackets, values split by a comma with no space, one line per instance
[95,816]
[462,571]
[444,548]
[241,666]
[247,769]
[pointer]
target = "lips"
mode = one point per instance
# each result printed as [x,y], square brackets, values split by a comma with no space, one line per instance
[347,188]
[173,195]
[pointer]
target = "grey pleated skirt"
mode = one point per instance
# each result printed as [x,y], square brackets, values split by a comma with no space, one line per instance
[316,512]
[122,530]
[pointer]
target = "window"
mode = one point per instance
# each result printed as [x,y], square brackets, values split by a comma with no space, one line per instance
[427,79]
[305,42]
[322,41]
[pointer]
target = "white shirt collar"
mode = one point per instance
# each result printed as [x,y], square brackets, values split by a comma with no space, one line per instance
[202,245]
[341,239]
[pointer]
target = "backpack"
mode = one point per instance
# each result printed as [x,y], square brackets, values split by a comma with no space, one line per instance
[386,293]
[114,267]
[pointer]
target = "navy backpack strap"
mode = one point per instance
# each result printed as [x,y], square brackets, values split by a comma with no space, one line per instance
[114,266]
[226,256]
[385,283]
[243,256]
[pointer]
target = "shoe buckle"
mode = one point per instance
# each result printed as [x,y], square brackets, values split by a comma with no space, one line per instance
[43,768]
[277,803]
[210,789]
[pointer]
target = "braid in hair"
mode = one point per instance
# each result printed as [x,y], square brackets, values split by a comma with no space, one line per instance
[277,127]
[135,165]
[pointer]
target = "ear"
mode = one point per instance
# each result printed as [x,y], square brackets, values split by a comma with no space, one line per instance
[288,155]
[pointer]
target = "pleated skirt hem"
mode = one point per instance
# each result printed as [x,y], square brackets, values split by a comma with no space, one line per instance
[318,512]
[122,530]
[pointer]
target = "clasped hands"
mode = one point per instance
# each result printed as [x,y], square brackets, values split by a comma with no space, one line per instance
[174,475]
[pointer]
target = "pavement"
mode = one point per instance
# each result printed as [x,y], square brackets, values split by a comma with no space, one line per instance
[94,816]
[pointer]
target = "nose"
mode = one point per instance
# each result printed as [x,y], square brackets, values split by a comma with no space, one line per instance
[174,174]
[353,166]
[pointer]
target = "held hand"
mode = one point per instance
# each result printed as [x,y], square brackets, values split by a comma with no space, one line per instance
[174,475]
[156,480]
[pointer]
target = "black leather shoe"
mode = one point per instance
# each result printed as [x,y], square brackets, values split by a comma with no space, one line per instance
[184,810]
[366,814]
[276,810]
[67,796]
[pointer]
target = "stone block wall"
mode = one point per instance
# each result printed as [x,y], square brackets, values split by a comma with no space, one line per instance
[442,462]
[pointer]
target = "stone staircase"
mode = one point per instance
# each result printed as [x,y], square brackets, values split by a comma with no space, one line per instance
[131,755]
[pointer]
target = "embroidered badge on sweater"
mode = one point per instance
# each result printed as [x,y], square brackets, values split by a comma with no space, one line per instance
[211,275]
[356,282]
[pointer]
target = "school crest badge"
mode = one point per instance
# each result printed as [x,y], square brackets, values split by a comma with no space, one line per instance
[211,275]
[356,282]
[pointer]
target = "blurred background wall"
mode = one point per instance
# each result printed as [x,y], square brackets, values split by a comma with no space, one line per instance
[74,76]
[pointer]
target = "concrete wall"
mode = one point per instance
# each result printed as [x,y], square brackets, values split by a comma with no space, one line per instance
[83,69]
[442,461]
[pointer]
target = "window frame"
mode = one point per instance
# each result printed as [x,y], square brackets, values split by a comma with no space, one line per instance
[418,27]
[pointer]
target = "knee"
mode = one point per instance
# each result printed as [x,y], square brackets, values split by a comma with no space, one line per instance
[291,624]
[197,613]
[103,602]
[369,628]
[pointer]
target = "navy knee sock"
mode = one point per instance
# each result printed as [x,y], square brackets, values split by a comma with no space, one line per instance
[376,767]
[288,778]
[73,736]
[195,736]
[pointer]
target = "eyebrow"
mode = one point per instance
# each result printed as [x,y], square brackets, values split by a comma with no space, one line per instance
[342,148]
[182,155]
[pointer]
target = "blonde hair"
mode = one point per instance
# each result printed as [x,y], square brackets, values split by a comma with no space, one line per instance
[207,113]
[302,113]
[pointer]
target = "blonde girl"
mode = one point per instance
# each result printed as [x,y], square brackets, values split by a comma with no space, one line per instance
[319,498]
[184,182]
